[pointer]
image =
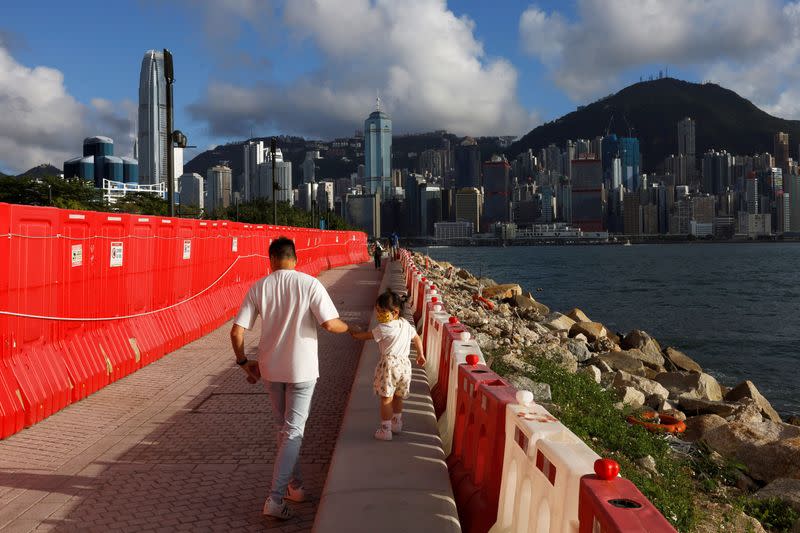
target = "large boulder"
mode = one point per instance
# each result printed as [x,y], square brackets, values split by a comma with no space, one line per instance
[527,302]
[501,292]
[631,396]
[592,330]
[653,391]
[783,488]
[622,361]
[698,426]
[557,354]
[769,450]
[578,316]
[700,406]
[746,389]
[541,391]
[690,384]
[463,274]
[681,361]
[650,359]
[558,322]
[640,340]
[579,349]
[592,372]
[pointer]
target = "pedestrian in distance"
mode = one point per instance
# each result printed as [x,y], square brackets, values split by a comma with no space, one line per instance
[377,253]
[392,381]
[290,304]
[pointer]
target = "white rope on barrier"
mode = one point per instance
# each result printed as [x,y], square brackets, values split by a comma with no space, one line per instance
[142,237]
[97,319]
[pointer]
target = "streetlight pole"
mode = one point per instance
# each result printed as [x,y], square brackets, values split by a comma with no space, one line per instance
[170,78]
[273,147]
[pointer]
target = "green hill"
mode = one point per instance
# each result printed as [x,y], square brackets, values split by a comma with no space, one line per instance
[651,110]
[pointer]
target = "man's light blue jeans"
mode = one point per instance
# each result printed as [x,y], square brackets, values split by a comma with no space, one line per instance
[291,403]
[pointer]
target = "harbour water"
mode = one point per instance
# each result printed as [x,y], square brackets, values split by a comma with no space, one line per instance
[734,308]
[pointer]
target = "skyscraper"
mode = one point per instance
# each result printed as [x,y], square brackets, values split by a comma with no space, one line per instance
[468,164]
[781,151]
[152,134]
[378,151]
[218,186]
[686,146]
[497,191]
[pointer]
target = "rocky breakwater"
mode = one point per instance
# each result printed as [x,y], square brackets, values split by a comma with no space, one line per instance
[739,423]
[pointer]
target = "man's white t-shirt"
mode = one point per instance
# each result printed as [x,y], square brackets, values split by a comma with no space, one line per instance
[394,337]
[290,304]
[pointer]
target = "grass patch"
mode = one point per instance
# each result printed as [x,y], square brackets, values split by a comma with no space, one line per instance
[588,410]
[774,514]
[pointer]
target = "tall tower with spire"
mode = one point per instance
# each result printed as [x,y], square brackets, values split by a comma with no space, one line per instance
[378,151]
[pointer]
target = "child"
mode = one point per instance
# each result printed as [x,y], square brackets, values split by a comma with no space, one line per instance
[394,336]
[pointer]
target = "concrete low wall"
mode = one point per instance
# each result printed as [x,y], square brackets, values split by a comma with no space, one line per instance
[397,486]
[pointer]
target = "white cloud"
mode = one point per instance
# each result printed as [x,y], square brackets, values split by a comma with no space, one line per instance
[586,56]
[430,70]
[42,123]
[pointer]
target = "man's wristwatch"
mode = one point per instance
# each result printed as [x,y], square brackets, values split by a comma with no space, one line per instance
[242,362]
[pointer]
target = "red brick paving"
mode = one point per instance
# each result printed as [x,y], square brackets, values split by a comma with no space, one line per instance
[185,444]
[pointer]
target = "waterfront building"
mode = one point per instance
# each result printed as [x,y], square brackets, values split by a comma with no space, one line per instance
[496,190]
[717,171]
[305,193]
[283,173]
[378,151]
[325,196]
[363,211]
[700,229]
[793,189]
[416,206]
[677,167]
[588,202]
[99,163]
[632,214]
[80,167]
[630,160]
[433,208]
[752,196]
[453,230]
[686,148]
[252,156]
[152,124]
[468,164]
[754,225]
[469,205]
[309,166]
[432,162]
[191,190]
[783,213]
[781,151]
[219,187]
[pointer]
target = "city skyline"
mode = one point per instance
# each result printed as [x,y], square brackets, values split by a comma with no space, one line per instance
[289,68]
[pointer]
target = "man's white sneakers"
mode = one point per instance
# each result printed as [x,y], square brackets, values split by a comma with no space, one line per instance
[281,511]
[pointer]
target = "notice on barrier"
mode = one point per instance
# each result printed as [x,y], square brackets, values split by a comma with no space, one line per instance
[77,255]
[235,245]
[116,254]
[187,249]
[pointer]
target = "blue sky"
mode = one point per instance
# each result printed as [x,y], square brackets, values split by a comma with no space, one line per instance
[312,67]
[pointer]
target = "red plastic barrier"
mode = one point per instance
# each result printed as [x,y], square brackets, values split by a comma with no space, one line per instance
[477,491]
[161,282]
[615,505]
[420,301]
[452,331]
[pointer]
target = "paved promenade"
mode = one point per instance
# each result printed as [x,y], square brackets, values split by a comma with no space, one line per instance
[185,444]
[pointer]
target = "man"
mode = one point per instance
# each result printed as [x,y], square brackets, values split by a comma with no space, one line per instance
[290,305]
[377,253]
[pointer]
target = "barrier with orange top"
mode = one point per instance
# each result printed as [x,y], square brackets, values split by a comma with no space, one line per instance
[513,466]
[86,297]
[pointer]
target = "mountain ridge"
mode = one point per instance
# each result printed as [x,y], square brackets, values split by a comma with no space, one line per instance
[650,111]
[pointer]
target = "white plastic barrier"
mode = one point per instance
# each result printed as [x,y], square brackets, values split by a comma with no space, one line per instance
[430,294]
[543,463]
[433,344]
[458,356]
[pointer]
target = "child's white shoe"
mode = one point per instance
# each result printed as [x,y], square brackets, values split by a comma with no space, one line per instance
[383,433]
[397,425]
